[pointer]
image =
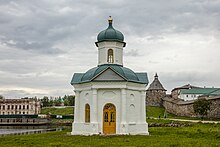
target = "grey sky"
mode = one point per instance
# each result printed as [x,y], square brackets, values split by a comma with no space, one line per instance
[43,42]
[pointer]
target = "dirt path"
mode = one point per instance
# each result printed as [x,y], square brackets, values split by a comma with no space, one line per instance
[195,121]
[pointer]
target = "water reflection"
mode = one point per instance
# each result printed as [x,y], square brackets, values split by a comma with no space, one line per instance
[19,130]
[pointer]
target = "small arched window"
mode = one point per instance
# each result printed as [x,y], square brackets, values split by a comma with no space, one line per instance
[87,113]
[110,56]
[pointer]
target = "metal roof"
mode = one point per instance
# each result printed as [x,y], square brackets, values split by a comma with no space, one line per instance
[203,91]
[124,72]
[110,34]
[188,86]
[156,85]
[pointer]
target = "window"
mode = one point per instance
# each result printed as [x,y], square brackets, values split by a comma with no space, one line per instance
[110,56]
[23,106]
[87,113]
[106,117]
[112,117]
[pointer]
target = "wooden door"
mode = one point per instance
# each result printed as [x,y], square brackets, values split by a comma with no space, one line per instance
[109,119]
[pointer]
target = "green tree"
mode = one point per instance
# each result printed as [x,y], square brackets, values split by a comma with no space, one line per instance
[58,101]
[45,101]
[201,106]
[69,100]
[1,97]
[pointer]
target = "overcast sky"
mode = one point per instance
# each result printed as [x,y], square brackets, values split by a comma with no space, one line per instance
[43,42]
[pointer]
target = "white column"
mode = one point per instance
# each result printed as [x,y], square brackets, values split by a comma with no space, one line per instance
[77,107]
[143,107]
[94,109]
[123,106]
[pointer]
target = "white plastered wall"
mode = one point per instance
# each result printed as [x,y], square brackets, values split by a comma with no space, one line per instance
[103,48]
[128,98]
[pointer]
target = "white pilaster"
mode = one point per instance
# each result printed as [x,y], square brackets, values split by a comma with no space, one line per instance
[77,107]
[143,107]
[94,114]
[123,106]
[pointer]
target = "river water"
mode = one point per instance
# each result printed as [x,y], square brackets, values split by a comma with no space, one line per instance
[15,130]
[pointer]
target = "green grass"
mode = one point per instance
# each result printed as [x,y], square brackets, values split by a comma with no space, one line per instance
[155,111]
[195,135]
[57,111]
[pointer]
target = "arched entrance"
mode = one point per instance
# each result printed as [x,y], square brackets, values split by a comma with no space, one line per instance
[109,119]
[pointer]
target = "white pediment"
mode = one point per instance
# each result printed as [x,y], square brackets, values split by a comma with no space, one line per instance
[108,75]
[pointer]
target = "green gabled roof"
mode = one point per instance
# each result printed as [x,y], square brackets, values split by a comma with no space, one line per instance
[203,91]
[124,72]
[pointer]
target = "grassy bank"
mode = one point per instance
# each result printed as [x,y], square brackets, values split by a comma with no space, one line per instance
[57,111]
[195,135]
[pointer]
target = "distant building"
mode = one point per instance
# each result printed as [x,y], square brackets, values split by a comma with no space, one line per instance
[181,100]
[155,93]
[194,93]
[176,91]
[19,106]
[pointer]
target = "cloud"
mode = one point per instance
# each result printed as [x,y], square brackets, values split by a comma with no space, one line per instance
[42,43]
[132,52]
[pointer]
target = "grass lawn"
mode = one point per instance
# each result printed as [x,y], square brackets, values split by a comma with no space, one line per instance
[155,111]
[195,135]
[159,111]
[57,111]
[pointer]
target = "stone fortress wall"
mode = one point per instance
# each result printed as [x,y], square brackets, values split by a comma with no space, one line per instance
[156,96]
[185,108]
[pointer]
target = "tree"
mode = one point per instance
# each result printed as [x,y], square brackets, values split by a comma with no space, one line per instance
[58,101]
[45,101]
[69,100]
[201,106]
[1,97]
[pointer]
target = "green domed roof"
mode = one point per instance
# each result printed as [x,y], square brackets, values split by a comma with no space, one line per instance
[110,34]
[124,72]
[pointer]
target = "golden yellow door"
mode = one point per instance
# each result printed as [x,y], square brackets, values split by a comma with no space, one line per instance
[109,119]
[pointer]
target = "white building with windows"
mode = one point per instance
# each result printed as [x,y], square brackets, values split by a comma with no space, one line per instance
[29,106]
[110,98]
[194,93]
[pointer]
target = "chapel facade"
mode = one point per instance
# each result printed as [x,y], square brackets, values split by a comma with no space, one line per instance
[110,98]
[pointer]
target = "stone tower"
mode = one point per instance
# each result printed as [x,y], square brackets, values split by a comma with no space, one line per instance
[155,93]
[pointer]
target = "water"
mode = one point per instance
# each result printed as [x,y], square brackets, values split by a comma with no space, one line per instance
[18,130]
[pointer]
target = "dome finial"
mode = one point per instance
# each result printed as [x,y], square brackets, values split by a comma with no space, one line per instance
[110,19]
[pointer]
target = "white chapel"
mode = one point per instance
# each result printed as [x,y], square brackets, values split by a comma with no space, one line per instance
[110,98]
